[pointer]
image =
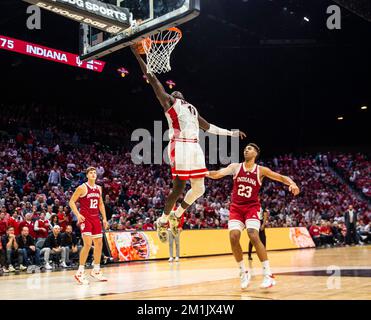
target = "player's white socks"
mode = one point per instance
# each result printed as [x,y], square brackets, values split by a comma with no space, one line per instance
[164,218]
[242,267]
[81,269]
[266,268]
[96,267]
[179,212]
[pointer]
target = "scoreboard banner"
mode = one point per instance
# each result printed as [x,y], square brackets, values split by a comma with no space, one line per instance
[38,51]
[103,16]
[145,245]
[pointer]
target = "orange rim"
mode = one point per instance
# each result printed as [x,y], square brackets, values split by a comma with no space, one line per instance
[174,29]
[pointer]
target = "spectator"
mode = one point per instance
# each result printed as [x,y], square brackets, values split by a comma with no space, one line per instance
[28,223]
[27,249]
[42,227]
[350,218]
[148,226]
[327,237]
[54,177]
[3,258]
[175,239]
[49,212]
[336,230]
[14,222]
[53,246]
[54,221]
[69,242]
[362,232]
[6,214]
[62,218]
[314,231]
[9,243]
[3,224]
[367,232]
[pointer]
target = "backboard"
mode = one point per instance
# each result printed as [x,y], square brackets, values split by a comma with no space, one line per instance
[148,17]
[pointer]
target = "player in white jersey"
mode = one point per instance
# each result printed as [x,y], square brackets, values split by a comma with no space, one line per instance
[185,153]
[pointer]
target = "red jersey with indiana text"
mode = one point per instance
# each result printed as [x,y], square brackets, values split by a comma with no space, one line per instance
[246,186]
[89,204]
[245,207]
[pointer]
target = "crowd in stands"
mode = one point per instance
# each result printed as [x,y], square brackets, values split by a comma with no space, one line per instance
[40,169]
[356,169]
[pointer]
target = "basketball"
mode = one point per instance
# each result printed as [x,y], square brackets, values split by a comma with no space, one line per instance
[139,46]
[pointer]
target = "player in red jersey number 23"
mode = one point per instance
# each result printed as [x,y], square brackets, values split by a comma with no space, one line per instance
[245,208]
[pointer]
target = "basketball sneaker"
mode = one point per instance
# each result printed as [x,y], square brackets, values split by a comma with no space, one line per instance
[161,231]
[173,223]
[245,279]
[98,275]
[268,282]
[22,267]
[80,278]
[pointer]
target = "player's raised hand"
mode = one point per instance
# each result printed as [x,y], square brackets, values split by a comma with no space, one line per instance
[242,135]
[239,134]
[294,189]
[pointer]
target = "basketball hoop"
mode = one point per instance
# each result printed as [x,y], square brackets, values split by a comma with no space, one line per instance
[158,49]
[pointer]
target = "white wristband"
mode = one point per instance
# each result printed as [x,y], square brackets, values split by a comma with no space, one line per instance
[222,132]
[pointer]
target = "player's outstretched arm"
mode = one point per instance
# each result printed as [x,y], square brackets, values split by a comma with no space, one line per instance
[75,197]
[102,210]
[228,171]
[165,99]
[266,172]
[204,125]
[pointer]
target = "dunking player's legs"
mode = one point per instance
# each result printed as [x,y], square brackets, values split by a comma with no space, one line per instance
[196,191]
[178,189]
[176,192]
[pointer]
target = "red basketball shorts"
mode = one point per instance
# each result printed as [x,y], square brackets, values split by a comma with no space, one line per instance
[92,226]
[244,216]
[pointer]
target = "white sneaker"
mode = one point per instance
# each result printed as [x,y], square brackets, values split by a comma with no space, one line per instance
[11,268]
[161,231]
[63,265]
[245,279]
[81,278]
[98,275]
[171,259]
[268,282]
[5,270]
[22,267]
[48,266]
[176,259]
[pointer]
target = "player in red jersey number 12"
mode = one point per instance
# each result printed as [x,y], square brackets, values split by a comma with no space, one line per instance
[91,204]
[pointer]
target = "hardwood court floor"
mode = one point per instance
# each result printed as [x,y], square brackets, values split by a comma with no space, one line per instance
[300,274]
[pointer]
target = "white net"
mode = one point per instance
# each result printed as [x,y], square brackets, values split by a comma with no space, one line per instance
[158,49]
